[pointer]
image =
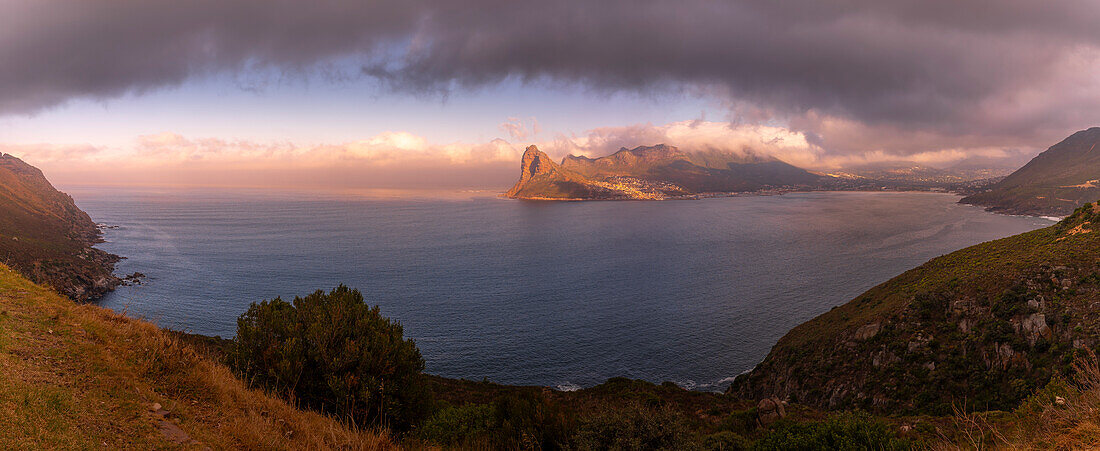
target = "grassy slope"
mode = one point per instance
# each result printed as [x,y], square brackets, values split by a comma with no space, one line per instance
[952,312]
[83,377]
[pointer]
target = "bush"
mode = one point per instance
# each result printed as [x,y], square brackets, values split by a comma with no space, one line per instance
[846,431]
[741,421]
[530,421]
[454,425]
[930,306]
[633,427]
[331,351]
[725,441]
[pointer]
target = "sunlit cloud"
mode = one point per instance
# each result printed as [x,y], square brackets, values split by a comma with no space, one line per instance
[519,128]
[404,159]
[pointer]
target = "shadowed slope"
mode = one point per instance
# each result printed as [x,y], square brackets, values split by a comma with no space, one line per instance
[1055,182]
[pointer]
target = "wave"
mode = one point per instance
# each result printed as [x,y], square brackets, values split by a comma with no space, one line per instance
[567,386]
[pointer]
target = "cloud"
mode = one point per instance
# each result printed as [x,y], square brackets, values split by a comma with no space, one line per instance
[1014,70]
[53,152]
[399,159]
[517,128]
[800,148]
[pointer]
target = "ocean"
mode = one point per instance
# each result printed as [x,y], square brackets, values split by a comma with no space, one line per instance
[535,293]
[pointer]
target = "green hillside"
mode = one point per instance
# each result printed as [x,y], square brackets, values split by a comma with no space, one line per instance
[982,327]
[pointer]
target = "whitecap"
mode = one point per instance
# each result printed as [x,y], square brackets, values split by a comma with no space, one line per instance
[567,386]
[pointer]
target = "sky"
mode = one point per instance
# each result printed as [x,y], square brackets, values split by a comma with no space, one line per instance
[447,93]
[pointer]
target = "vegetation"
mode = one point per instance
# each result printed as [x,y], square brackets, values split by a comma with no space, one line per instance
[333,352]
[844,431]
[635,427]
[78,376]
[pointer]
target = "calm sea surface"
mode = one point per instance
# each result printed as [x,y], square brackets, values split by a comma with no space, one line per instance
[558,294]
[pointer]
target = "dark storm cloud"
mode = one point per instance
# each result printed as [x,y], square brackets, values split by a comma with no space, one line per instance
[1006,67]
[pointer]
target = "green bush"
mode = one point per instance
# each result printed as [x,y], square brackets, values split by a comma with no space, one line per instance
[333,352]
[530,421]
[845,431]
[634,427]
[930,306]
[741,421]
[725,441]
[454,425]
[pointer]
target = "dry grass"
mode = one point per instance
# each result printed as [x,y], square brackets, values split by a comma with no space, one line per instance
[83,377]
[1061,417]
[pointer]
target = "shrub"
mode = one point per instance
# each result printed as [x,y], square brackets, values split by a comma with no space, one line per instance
[845,431]
[530,421]
[741,421]
[331,351]
[454,425]
[930,306]
[633,427]
[725,441]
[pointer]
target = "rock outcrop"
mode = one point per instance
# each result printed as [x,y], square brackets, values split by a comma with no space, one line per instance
[535,163]
[45,236]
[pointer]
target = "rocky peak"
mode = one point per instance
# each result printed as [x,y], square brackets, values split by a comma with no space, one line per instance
[534,162]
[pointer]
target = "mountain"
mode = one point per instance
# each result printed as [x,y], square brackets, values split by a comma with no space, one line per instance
[1055,182]
[46,237]
[654,172]
[980,329]
[920,175]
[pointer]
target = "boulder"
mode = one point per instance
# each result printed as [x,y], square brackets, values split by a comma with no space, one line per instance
[769,410]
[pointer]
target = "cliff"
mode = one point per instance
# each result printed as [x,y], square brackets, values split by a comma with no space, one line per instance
[47,238]
[1057,181]
[981,328]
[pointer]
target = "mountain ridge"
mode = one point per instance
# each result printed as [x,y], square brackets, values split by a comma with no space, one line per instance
[1055,182]
[650,172]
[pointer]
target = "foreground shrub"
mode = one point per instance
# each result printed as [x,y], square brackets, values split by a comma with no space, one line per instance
[725,441]
[634,427]
[530,421]
[455,425]
[844,431]
[333,352]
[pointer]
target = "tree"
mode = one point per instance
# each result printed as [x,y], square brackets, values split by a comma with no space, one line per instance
[332,351]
